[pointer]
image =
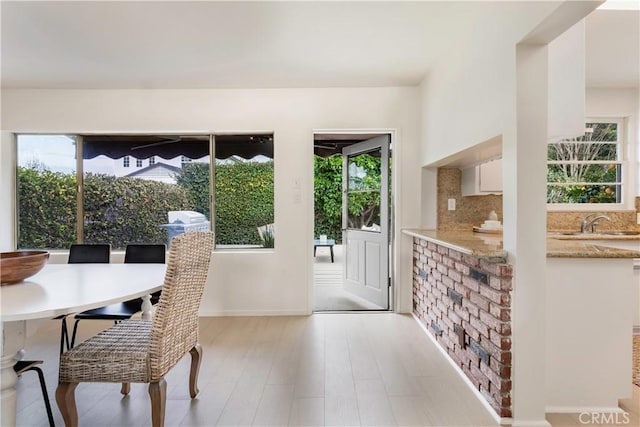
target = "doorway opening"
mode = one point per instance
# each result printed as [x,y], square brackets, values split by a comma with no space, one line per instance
[352,222]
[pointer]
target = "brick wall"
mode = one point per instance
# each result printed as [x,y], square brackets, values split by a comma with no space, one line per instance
[465,303]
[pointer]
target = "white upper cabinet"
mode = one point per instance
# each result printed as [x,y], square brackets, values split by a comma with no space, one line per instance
[485,178]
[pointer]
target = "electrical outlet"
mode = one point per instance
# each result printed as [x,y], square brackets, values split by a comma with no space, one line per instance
[451,203]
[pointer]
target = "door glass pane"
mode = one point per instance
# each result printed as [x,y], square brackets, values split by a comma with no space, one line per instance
[46,191]
[363,191]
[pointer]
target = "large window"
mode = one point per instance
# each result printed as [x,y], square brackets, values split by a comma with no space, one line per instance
[589,169]
[244,191]
[118,205]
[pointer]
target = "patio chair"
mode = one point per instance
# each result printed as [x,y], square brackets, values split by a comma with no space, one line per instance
[82,254]
[143,351]
[134,253]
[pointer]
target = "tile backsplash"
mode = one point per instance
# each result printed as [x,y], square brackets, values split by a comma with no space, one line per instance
[470,210]
[473,210]
[570,220]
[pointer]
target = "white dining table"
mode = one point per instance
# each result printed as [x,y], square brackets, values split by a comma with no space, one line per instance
[64,289]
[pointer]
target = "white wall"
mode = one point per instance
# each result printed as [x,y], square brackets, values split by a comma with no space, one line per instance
[7,199]
[468,96]
[604,103]
[567,84]
[250,283]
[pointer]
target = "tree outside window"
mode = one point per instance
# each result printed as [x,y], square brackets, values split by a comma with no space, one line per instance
[588,169]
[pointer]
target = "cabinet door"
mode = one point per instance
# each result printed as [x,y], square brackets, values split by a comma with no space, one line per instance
[490,176]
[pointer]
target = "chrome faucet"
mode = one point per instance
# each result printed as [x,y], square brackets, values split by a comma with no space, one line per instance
[589,224]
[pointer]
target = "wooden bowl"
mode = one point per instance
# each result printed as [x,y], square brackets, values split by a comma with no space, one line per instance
[17,266]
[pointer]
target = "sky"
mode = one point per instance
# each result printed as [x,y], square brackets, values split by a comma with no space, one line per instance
[57,152]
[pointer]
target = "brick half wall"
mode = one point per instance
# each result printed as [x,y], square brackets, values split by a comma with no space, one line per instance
[465,303]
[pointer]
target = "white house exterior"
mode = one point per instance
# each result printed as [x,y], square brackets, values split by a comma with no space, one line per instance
[161,172]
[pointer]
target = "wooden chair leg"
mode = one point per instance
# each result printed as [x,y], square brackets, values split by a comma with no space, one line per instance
[158,394]
[196,359]
[66,400]
[126,388]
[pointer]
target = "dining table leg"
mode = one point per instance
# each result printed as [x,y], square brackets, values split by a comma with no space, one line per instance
[13,339]
[146,307]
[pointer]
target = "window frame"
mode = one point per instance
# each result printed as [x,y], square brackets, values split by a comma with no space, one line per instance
[239,248]
[80,183]
[623,160]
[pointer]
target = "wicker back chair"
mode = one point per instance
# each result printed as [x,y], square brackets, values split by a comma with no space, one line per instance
[143,351]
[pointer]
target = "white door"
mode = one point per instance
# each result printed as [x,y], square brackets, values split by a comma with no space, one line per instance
[365,219]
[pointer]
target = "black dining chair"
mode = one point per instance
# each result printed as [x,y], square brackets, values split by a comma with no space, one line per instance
[134,254]
[31,365]
[83,254]
[146,254]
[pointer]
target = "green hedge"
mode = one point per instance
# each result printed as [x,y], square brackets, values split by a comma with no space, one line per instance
[194,179]
[243,198]
[327,192]
[117,210]
[129,210]
[46,209]
[244,201]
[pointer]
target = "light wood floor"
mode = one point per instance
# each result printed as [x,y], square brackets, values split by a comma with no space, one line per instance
[328,289]
[326,369]
[370,369]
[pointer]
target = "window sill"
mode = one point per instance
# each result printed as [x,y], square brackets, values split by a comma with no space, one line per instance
[595,207]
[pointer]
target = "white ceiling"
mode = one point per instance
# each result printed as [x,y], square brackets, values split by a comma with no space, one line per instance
[195,45]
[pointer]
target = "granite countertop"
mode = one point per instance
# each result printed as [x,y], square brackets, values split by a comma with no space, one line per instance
[489,246]
[476,244]
[576,235]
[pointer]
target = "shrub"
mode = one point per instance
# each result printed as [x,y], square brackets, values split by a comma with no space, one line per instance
[244,201]
[128,210]
[116,210]
[46,209]
[243,198]
[327,194]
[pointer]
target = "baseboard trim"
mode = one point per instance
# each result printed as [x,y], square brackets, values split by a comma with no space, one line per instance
[467,381]
[531,424]
[253,313]
[586,409]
